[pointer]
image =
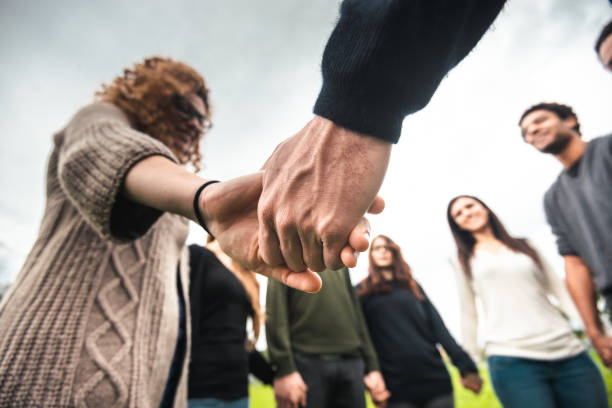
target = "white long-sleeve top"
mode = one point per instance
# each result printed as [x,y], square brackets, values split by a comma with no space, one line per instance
[520,320]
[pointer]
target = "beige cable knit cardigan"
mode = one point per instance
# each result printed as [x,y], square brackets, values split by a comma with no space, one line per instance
[92,319]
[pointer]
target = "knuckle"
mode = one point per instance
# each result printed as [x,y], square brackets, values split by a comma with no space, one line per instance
[284,223]
[265,210]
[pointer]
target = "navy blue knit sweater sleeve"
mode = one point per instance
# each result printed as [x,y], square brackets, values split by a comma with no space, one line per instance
[385,58]
[458,356]
[260,367]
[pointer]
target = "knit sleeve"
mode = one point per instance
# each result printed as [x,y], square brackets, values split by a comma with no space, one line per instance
[96,151]
[260,367]
[277,328]
[469,314]
[458,356]
[385,58]
[369,353]
[556,287]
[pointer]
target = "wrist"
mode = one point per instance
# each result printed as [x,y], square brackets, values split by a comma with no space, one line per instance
[198,206]
[595,333]
[354,136]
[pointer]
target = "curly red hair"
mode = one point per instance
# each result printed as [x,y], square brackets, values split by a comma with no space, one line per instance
[146,93]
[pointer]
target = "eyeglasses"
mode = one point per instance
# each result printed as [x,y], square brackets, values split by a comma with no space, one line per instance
[379,247]
[187,111]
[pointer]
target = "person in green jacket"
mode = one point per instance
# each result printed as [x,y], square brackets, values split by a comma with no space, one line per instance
[320,346]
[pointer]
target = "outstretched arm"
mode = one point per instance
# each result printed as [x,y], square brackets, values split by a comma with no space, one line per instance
[469,314]
[230,212]
[469,372]
[383,61]
[581,287]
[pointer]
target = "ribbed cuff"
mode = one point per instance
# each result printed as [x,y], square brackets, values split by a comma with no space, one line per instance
[360,113]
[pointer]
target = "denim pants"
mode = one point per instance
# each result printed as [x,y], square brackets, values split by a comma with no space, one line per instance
[217,403]
[567,383]
[332,382]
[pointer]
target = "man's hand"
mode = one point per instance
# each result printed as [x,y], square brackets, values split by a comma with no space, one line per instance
[603,345]
[230,212]
[375,383]
[472,381]
[317,186]
[290,391]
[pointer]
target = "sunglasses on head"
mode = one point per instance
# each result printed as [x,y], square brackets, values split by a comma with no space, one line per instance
[187,111]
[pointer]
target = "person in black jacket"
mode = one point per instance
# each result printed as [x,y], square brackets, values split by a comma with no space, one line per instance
[406,328]
[223,296]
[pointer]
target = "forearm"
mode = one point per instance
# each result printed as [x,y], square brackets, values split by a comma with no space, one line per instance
[277,329]
[370,357]
[558,289]
[469,314]
[260,368]
[369,352]
[580,285]
[458,356]
[159,183]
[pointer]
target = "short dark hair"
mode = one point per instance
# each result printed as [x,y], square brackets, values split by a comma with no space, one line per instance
[562,111]
[605,32]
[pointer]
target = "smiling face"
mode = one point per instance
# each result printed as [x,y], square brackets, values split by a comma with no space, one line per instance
[469,214]
[546,131]
[382,255]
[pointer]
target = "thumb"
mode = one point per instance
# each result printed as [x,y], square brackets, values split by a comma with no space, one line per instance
[377,206]
[306,281]
[358,242]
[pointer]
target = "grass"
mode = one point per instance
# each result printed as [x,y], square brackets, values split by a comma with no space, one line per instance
[263,396]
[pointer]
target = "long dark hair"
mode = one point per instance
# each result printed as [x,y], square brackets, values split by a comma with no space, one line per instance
[465,240]
[375,283]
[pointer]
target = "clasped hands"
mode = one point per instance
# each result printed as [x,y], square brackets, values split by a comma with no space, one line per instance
[291,391]
[304,212]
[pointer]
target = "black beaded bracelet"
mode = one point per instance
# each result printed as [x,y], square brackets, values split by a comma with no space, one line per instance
[196,207]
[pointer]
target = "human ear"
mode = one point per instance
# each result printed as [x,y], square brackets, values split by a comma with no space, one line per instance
[570,122]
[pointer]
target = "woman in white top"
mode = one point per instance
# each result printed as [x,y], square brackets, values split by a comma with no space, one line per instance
[534,358]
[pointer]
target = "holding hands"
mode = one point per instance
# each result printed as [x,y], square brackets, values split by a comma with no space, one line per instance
[317,186]
[375,384]
[290,391]
[304,212]
[472,381]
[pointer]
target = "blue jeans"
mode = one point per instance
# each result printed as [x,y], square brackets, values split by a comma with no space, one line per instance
[570,382]
[217,403]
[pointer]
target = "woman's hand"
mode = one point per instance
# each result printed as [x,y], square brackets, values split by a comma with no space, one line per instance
[229,210]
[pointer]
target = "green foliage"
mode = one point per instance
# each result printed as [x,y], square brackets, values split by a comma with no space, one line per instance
[263,396]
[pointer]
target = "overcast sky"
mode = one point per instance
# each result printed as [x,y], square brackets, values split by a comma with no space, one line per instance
[261,60]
